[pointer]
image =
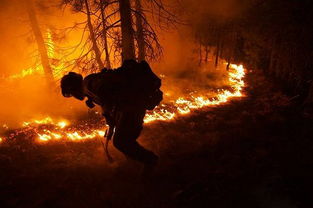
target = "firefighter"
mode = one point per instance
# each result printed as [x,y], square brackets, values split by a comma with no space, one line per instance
[122,111]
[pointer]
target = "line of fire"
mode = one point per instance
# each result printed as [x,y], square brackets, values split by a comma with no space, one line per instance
[156,103]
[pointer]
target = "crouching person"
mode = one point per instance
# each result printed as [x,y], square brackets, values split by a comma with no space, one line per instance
[124,95]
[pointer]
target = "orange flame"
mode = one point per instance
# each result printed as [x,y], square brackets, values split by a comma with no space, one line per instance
[183,106]
[50,45]
[74,136]
[48,120]
[60,129]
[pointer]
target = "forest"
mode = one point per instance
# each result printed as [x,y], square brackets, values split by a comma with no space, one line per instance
[234,128]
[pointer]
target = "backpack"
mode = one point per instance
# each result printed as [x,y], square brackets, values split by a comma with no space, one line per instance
[151,86]
[141,84]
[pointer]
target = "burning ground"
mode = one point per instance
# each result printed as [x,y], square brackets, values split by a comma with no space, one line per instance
[174,105]
[251,151]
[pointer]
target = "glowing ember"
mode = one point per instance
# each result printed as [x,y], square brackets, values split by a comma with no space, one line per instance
[47,120]
[162,115]
[62,124]
[48,129]
[74,136]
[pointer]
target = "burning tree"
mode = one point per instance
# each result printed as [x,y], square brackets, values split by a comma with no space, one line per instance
[40,41]
[105,27]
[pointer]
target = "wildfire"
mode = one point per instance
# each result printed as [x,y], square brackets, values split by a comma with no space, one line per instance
[39,69]
[74,136]
[27,72]
[47,120]
[184,106]
[48,129]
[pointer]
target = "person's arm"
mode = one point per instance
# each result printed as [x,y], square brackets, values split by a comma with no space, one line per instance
[109,118]
[89,102]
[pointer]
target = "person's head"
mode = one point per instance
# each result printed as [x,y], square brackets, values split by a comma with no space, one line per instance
[72,85]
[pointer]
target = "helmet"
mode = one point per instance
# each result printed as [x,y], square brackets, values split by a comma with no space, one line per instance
[70,83]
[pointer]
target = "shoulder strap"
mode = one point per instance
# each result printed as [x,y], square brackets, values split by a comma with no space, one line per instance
[88,92]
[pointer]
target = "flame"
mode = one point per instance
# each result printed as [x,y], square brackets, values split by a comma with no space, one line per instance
[184,106]
[73,136]
[62,124]
[77,136]
[48,129]
[26,72]
[162,115]
[48,120]
[50,45]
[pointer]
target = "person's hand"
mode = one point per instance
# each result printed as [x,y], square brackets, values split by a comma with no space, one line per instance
[89,103]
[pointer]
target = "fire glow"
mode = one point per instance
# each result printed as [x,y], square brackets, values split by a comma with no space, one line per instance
[48,129]
[184,106]
[47,120]
[39,69]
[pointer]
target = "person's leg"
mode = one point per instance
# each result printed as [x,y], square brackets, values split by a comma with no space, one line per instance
[127,131]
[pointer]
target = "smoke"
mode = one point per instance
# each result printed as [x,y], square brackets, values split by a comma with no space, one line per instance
[218,8]
[25,95]
[28,97]
[180,62]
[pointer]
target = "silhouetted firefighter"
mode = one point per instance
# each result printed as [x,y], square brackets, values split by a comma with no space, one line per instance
[124,95]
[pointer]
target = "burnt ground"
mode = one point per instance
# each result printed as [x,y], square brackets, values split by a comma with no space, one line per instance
[252,152]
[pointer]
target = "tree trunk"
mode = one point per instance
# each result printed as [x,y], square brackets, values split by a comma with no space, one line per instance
[128,48]
[104,34]
[221,51]
[309,98]
[272,61]
[140,32]
[206,54]
[273,56]
[40,41]
[217,53]
[228,63]
[200,54]
[93,37]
